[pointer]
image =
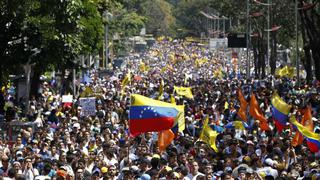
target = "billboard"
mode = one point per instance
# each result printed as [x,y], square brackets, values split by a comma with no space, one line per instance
[237,40]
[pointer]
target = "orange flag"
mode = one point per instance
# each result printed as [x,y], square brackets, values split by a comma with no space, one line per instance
[243,106]
[307,122]
[165,138]
[256,113]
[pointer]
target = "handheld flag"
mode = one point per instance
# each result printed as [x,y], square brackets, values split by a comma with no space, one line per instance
[243,106]
[184,91]
[256,113]
[161,89]
[280,111]
[165,138]
[125,82]
[313,139]
[179,124]
[87,92]
[149,115]
[286,71]
[218,73]
[172,99]
[307,123]
[142,66]
[237,125]
[208,135]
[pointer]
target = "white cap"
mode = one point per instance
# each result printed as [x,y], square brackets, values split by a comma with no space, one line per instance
[250,142]
[74,118]
[76,125]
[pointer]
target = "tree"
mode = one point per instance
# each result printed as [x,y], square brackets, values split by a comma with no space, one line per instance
[159,16]
[310,23]
[60,31]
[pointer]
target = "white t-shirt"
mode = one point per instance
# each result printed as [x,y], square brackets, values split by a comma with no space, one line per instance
[194,177]
[30,174]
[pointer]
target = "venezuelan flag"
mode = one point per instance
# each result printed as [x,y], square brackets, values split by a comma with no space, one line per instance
[149,115]
[312,138]
[306,122]
[280,111]
[237,125]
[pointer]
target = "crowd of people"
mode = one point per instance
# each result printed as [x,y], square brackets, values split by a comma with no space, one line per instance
[64,144]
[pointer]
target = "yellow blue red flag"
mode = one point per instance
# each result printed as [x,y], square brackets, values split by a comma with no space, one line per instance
[149,115]
[313,139]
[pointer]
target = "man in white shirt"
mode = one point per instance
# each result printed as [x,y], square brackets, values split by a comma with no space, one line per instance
[194,171]
[30,173]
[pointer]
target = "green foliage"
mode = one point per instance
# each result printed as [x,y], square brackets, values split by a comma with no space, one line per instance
[188,15]
[59,30]
[159,16]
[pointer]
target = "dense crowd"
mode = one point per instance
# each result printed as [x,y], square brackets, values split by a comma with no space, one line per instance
[66,145]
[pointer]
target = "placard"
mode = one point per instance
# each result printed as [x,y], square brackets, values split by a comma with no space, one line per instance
[88,106]
[67,98]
